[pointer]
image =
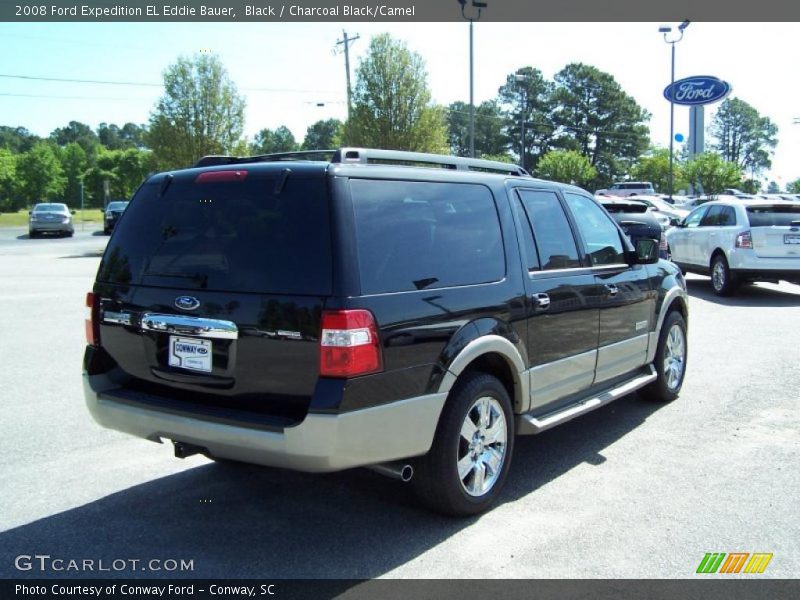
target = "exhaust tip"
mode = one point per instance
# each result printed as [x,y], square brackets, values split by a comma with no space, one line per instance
[406,473]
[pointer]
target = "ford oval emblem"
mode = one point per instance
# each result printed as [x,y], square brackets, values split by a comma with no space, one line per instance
[187,302]
[697,90]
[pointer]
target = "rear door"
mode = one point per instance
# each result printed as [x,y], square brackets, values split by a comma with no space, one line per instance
[562,309]
[213,286]
[775,230]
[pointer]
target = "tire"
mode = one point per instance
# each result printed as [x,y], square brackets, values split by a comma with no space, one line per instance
[479,407]
[722,280]
[670,360]
[32,234]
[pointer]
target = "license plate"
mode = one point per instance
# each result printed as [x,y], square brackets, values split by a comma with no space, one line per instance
[190,353]
[791,238]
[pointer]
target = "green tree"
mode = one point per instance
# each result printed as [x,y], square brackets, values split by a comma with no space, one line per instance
[323,135]
[566,166]
[597,118]
[39,173]
[793,187]
[8,177]
[654,167]
[526,95]
[773,188]
[490,139]
[280,140]
[17,139]
[74,163]
[391,102]
[200,113]
[743,136]
[113,137]
[123,169]
[712,173]
[78,133]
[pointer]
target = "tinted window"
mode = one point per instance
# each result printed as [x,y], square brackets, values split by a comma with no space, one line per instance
[600,236]
[50,208]
[712,216]
[225,236]
[117,205]
[554,241]
[415,235]
[526,233]
[693,220]
[768,216]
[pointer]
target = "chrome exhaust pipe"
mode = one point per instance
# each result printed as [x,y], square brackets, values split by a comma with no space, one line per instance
[396,470]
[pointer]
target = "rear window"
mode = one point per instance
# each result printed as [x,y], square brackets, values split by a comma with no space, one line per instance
[625,208]
[415,235]
[246,235]
[50,208]
[769,216]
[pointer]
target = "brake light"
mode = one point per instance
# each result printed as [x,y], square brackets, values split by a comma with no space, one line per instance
[349,344]
[744,240]
[220,176]
[92,324]
[662,243]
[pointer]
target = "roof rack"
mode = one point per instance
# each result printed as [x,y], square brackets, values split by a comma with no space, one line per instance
[374,156]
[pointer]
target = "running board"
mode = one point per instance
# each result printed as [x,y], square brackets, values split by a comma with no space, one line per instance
[528,424]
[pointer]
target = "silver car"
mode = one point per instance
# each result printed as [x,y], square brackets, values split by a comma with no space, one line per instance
[50,217]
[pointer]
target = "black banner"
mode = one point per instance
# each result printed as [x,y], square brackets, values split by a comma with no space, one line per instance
[404,589]
[395,10]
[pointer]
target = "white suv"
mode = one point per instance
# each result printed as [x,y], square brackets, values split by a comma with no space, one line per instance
[629,188]
[735,241]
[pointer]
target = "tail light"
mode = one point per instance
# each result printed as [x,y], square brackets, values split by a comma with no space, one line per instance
[744,240]
[349,344]
[662,243]
[92,324]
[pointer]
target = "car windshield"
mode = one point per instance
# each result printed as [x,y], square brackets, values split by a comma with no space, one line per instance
[50,208]
[776,215]
[117,205]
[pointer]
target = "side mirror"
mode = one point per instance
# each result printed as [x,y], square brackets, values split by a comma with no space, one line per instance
[72,212]
[30,212]
[675,221]
[646,252]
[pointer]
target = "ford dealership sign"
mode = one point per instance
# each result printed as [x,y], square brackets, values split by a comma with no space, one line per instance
[700,89]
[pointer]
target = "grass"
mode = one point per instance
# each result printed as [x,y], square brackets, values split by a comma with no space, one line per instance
[20,219]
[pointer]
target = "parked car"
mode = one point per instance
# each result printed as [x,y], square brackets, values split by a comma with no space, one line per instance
[637,221]
[737,241]
[326,310]
[674,214]
[628,188]
[50,217]
[113,212]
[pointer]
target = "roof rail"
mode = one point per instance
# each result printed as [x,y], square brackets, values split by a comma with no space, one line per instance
[373,156]
[400,157]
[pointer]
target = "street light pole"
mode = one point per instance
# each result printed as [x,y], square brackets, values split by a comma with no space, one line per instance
[480,6]
[665,30]
[521,79]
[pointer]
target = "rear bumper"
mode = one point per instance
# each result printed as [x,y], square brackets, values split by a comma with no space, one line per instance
[792,276]
[320,443]
[47,227]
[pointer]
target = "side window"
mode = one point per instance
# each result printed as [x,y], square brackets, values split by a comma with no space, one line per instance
[414,235]
[693,220]
[555,243]
[531,257]
[728,217]
[600,235]
[712,217]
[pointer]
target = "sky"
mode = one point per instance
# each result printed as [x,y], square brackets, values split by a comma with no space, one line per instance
[286,70]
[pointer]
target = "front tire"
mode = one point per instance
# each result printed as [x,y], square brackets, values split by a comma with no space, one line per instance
[722,281]
[467,464]
[670,361]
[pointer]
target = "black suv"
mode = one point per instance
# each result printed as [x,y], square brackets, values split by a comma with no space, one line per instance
[404,311]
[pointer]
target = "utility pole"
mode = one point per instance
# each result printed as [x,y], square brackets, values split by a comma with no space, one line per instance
[345,43]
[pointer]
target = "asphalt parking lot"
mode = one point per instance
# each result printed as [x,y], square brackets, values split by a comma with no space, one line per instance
[633,490]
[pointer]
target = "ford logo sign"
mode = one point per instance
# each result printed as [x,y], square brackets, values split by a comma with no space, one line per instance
[187,302]
[697,90]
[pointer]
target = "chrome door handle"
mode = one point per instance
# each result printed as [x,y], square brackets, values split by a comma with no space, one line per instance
[611,289]
[541,301]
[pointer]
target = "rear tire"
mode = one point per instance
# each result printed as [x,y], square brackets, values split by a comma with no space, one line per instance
[464,471]
[722,280]
[670,360]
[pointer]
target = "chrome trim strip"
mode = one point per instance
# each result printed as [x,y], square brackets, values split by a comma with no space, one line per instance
[195,326]
[528,424]
[118,318]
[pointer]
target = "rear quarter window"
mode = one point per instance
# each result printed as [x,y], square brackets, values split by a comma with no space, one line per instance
[238,236]
[415,235]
